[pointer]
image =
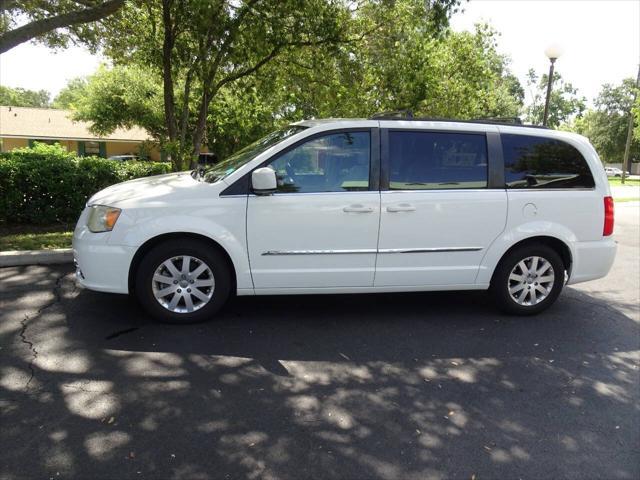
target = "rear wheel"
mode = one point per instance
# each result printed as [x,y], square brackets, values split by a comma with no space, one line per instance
[528,280]
[183,281]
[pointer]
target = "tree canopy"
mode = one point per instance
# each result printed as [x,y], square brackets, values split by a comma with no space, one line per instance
[564,104]
[606,125]
[20,97]
[52,22]
[220,73]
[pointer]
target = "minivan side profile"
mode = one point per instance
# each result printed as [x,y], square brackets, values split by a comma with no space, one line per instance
[353,205]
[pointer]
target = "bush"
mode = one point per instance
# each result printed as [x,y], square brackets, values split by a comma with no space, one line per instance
[46,184]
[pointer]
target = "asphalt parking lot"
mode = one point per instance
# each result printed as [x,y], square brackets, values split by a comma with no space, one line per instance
[403,386]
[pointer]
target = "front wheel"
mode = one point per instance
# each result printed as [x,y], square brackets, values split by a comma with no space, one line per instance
[183,281]
[528,280]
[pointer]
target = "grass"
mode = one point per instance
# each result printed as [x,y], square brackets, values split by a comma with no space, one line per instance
[621,200]
[33,237]
[628,182]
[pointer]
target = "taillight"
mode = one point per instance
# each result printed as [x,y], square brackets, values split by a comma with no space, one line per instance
[608,216]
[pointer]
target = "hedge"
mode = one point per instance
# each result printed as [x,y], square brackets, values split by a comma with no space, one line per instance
[46,184]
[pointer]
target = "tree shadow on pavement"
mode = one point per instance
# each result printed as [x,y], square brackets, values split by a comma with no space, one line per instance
[397,386]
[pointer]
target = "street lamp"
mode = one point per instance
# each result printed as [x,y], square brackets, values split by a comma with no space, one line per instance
[552,52]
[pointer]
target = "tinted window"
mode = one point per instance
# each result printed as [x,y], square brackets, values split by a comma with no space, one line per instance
[429,160]
[537,162]
[230,164]
[337,162]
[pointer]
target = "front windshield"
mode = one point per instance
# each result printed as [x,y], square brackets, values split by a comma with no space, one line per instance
[231,164]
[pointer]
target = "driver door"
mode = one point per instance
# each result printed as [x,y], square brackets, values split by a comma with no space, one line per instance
[320,229]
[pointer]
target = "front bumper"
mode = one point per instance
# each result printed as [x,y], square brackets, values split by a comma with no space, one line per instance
[99,265]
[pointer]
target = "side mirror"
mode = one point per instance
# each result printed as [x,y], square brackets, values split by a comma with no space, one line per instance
[263,181]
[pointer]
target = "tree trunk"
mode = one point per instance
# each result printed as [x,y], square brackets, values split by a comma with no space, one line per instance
[201,124]
[167,79]
[37,28]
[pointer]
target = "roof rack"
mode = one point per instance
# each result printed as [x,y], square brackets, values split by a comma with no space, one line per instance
[408,115]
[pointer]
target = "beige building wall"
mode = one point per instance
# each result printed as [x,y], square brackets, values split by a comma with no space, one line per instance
[129,148]
[70,145]
[122,148]
[112,148]
[9,144]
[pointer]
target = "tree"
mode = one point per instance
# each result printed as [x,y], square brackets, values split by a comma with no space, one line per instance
[449,74]
[20,97]
[564,104]
[201,47]
[198,47]
[636,114]
[606,124]
[74,92]
[121,97]
[44,19]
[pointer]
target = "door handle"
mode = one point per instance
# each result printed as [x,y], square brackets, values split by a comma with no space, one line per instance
[357,209]
[401,207]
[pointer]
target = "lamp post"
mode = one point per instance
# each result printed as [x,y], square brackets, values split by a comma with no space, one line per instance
[552,52]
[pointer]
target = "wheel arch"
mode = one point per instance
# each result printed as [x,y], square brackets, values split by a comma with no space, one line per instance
[157,240]
[555,243]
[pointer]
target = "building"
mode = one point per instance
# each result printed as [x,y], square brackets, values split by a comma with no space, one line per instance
[22,126]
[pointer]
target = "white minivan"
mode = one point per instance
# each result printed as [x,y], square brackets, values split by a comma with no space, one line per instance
[347,206]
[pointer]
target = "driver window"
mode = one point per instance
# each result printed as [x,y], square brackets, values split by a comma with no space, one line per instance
[338,162]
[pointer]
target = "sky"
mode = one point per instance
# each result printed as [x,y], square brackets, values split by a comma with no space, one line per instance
[600,39]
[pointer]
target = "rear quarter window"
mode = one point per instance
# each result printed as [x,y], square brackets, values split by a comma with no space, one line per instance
[538,162]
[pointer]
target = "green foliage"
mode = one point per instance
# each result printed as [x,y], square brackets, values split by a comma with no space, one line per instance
[564,104]
[121,97]
[71,94]
[458,75]
[55,24]
[328,61]
[636,116]
[606,126]
[46,184]
[20,97]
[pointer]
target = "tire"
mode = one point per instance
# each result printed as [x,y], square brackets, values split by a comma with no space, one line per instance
[200,293]
[539,295]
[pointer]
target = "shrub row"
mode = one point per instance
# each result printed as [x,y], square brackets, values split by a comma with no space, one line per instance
[46,184]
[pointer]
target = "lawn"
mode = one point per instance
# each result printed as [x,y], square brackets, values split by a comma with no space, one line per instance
[35,237]
[628,182]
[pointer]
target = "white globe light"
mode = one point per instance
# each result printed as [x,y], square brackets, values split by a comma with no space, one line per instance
[553,51]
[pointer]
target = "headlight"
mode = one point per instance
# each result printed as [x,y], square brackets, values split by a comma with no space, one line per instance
[102,219]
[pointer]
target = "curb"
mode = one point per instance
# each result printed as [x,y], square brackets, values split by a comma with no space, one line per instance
[16,258]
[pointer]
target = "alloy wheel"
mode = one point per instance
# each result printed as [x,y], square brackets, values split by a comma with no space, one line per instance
[183,284]
[531,281]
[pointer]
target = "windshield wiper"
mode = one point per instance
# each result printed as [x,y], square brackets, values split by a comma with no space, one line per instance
[197,173]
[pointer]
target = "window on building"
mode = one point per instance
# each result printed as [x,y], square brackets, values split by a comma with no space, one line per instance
[92,148]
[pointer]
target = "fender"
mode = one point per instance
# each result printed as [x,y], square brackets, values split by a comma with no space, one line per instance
[137,226]
[517,234]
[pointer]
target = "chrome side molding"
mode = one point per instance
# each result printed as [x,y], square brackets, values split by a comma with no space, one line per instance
[317,252]
[371,250]
[429,250]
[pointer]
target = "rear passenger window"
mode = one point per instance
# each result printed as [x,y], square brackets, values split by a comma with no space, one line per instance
[429,160]
[538,162]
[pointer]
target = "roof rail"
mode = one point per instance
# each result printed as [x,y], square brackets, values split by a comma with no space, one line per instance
[507,120]
[393,114]
[408,115]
